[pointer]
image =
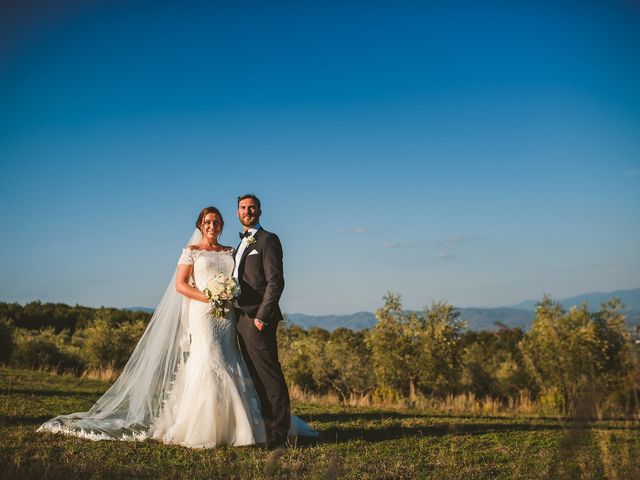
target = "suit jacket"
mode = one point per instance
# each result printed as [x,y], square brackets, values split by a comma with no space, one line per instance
[261,278]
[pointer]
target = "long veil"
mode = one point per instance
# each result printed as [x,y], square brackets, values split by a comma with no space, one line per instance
[128,409]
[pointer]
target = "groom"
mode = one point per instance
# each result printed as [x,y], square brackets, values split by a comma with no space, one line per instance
[258,269]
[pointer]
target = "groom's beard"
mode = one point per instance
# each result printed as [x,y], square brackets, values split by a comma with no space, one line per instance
[248,223]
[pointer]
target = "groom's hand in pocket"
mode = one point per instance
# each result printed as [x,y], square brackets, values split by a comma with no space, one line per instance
[258,323]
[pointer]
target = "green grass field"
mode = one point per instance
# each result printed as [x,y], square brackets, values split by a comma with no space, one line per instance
[355,443]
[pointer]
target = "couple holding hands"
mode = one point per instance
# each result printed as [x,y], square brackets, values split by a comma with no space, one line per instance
[199,378]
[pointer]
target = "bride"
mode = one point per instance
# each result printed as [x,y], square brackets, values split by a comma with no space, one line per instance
[186,382]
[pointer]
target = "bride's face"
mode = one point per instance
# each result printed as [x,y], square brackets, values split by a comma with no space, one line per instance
[211,226]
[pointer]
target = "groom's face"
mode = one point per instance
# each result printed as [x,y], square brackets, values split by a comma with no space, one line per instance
[248,212]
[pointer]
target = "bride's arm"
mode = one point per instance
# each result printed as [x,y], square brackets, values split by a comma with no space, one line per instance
[182,284]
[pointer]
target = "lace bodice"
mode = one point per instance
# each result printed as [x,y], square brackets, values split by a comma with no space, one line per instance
[207,264]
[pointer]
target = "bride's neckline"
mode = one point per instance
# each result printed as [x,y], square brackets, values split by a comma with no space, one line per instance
[222,250]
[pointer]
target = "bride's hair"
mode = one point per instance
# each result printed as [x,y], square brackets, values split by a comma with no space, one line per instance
[204,212]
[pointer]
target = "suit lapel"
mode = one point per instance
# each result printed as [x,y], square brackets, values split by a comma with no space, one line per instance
[235,250]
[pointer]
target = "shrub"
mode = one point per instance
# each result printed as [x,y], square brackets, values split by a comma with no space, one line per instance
[343,364]
[45,349]
[105,344]
[6,339]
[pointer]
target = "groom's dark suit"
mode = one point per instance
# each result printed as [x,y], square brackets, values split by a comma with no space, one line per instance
[260,274]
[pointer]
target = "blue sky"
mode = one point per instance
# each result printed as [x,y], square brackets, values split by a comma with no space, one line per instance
[478,153]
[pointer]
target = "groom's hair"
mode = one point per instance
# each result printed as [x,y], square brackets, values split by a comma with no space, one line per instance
[252,196]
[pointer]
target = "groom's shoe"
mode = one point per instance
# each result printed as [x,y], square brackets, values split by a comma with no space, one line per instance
[277,442]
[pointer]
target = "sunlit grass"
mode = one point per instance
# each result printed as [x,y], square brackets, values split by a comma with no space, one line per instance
[356,442]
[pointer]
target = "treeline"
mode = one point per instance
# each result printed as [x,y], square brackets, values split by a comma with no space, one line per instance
[65,338]
[571,361]
[59,316]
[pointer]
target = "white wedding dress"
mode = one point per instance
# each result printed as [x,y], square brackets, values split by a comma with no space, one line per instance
[186,382]
[213,401]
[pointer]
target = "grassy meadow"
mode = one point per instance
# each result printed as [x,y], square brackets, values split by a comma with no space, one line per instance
[355,442]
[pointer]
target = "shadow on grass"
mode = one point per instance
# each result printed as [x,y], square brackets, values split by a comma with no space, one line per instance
[392,414]
[11,420]
[51,393]
[342,434]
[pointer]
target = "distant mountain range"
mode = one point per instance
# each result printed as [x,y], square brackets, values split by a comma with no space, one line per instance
[630,299]
[355,321]
[520,315]
[477,319]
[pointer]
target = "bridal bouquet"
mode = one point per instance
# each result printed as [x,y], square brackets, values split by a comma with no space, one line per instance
[220,290]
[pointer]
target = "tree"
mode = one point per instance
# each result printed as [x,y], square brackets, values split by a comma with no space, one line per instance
[414,351]
[295,348]
[493,364]
[440,352]
[344,364]
[580,354]
[393,350]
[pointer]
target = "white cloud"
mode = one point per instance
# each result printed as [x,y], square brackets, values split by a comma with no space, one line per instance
[634,172]
[404,244]
[445,248]
[354,230]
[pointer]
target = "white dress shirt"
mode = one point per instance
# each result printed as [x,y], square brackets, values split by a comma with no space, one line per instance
[243,246]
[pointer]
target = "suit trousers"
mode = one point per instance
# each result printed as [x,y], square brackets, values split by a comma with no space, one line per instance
[260,351]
